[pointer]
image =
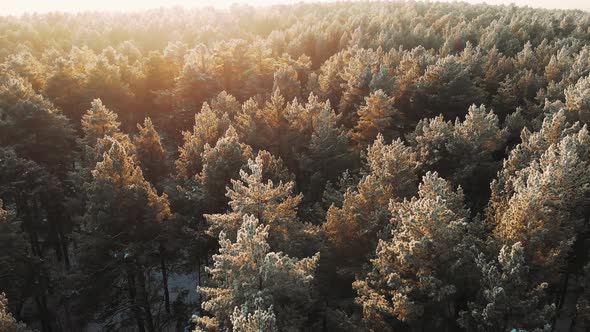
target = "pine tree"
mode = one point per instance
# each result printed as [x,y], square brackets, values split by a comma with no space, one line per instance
[97,123]
[17,268]
[447,87]
[33,127]
[376,116]
[274,168]
[357,76]
[353,230]
[577,102]
[508,300]
[272,126]
[260,320]
[7,322]
[224,103]
[221,163]
[417,273]
[394,165]
[104,81]
[542,211]
[65,89]
[463,152]
[121,222]
[151,155]
[265,279]
[532,146]
[286,81]
[273,204]
[327,153]
[208,128]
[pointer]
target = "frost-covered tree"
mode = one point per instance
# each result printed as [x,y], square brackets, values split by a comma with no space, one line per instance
[209,127]
[532,146]
[354,228]
[274,168]
[150,153]
[418,273]
[357,75]
[99,122]
[247,276]
[123,218]
[7,322]
[33,127]
[273,204]
[224,103]
[260,320]
[447,87]
[221,163]
[394,165]
[507,299]
[543,210]
[577,101]
[286,81]
[376,116]
[272,126]
[326,153]
[464,151]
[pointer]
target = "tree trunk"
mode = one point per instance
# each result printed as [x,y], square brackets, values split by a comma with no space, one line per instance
[43,312]
[145,302]
[64,245]
[164,277]
[199,279]
[133,297]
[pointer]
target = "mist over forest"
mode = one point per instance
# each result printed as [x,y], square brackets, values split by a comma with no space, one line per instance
[349,166]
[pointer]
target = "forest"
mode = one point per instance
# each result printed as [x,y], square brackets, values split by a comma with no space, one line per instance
[350,166]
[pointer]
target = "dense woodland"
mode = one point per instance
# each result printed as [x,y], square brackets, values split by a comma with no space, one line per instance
[316,167]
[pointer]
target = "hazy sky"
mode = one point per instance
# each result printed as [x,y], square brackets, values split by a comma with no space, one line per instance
[23,6]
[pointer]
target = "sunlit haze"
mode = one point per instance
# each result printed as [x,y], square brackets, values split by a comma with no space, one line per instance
[10,7]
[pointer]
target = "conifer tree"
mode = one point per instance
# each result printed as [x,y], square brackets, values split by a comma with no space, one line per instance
[447,87]
[507,299]
[532,146]
[221,163]
[273,204]
[327,153]
[353,230]
[260,320]
[272,126]
[543,210]
[376,116]
[286,81]
[208,128]
[33,127]
[416,274]
[265,279]
[463,152]
[224,103]
[357,76]
[122,219]
[65,88]
[274,168]
[97,123]
[7,322]
[577,102]
[151,155]
[104,80]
